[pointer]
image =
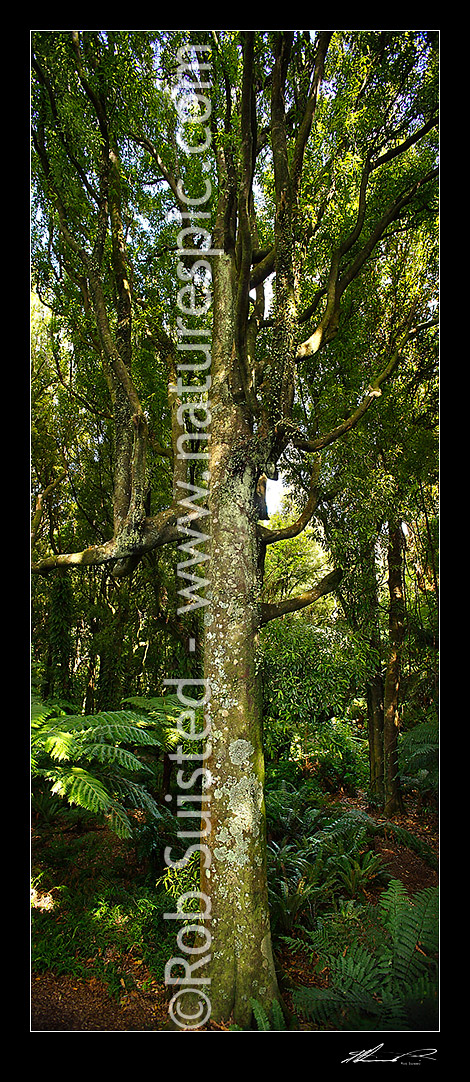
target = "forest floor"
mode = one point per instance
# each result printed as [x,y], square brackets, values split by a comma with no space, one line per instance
[63,1002]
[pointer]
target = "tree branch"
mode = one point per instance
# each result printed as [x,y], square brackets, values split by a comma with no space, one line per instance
[326,585]
[271,536]
[38,513]
[373,391]
[401,147]
[158,530]
[306,125]
[171,180]
[338,284]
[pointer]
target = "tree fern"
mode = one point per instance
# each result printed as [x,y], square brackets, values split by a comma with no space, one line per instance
[113,755]
[119,820]
[162,713]
[62,745]
[138,796]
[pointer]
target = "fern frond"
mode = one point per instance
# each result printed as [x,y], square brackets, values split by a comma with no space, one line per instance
[421,742]
[277,1016]
[113,754]
[41,711]
[119,821]
[163,712]
[261,1018]
[426,914]
[394,984]
[60,745]
[137,795]
[393,904]
[356,968]
[159,705]
[322,1005]
[82,788]
[414,929]
[99,738]
[115,725]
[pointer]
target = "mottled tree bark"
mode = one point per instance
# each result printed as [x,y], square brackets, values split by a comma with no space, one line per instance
[242,964]
[241,958]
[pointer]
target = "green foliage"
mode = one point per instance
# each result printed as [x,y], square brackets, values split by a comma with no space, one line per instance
[419,757]
[60,634]
[338,757]
[180,880]
[272,1020]
[391,984]
[102,919]
[320,856]
[316,857]
[309,674]
[110,744]
[355,873]
[294,565]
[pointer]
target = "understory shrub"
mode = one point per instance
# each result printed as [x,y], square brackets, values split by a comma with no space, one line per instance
[309,675]
[338,757]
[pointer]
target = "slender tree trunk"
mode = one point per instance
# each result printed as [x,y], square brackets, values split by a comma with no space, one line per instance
[393,798]
[375,722]
[375,688]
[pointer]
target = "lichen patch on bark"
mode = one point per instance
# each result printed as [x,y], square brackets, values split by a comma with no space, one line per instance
[244,801]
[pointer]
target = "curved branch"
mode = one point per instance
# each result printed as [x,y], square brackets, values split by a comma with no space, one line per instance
[283,534]
[306,125]
[401,147]
[337,284]
[146,144]
[373,391]
[263,268]
[158,530]
[326,586]
[392,212]
[37,517]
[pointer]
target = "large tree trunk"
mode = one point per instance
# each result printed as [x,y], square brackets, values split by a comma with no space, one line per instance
[393,799]
[242,963]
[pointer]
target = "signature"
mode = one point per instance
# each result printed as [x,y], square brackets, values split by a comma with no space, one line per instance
[367,1055]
